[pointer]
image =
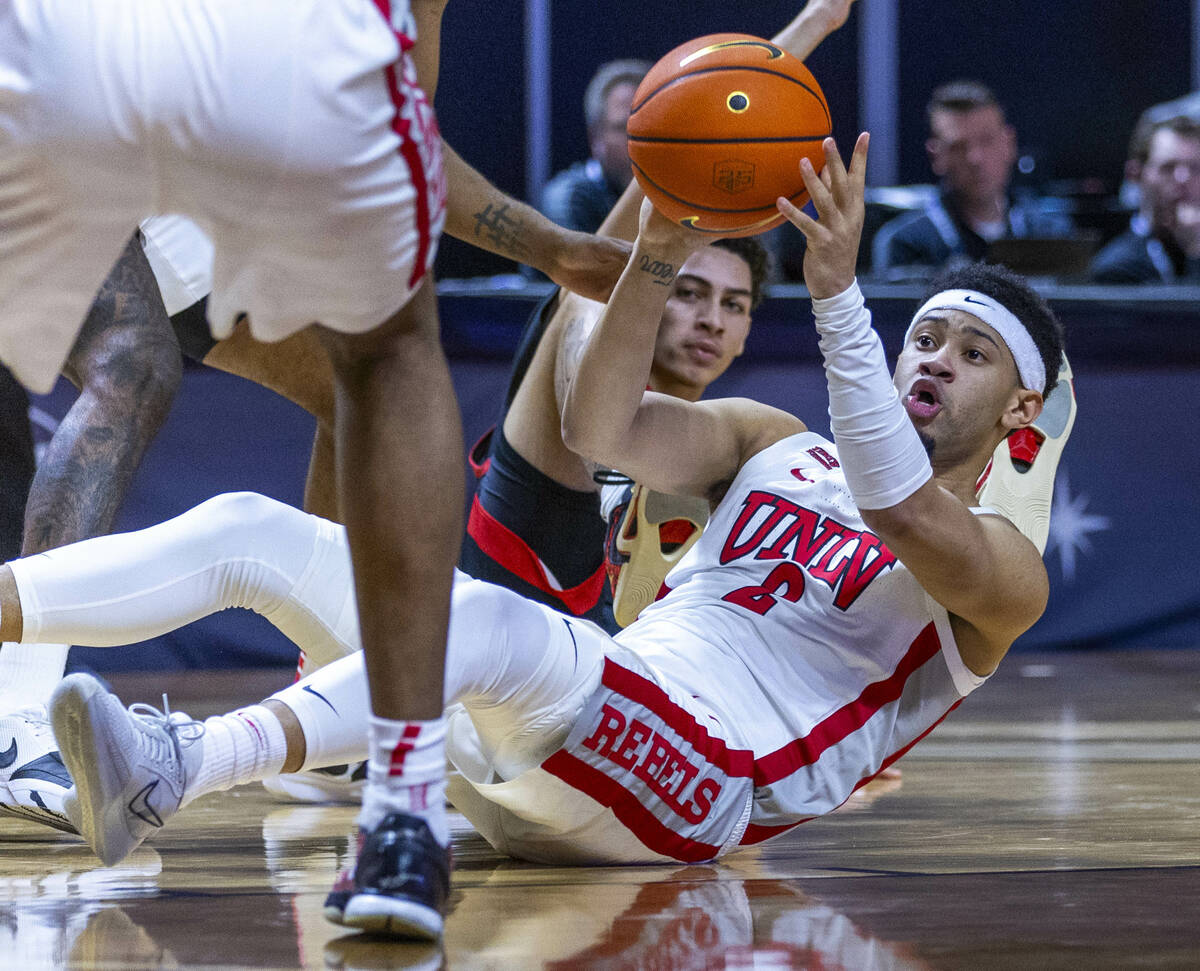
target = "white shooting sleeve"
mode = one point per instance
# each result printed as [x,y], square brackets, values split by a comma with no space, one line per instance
[881,454]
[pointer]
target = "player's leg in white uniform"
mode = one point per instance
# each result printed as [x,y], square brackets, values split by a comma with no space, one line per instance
[522,671]
[323,196]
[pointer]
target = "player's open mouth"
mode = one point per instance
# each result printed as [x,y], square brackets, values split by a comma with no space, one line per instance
[922,400]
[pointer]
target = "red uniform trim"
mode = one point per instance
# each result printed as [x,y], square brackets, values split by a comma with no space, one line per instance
[505,547]
[650,832]
[738,763]
[849,718]
[478,457]
[756,834]
[409,151]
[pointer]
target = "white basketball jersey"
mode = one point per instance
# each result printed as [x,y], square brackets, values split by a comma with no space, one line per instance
[813,646]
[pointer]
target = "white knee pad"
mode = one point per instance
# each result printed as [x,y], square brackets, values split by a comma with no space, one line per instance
[521,670]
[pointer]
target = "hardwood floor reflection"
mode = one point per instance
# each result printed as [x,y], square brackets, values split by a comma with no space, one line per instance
[1052,822]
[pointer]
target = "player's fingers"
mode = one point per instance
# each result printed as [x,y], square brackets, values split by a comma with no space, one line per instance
[858,161]
[834,170]
[818,191]
[797,217]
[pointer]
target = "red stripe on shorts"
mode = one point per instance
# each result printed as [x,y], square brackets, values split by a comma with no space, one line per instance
[649,830]
[409,151]
[737,763]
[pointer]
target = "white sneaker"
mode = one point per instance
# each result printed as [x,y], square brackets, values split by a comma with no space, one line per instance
[336,784]
[33,779]
[130,767]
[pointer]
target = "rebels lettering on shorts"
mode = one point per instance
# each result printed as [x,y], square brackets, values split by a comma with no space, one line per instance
[654,760]
[678,789]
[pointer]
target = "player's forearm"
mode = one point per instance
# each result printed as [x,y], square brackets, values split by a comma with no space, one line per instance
[813,24]
[481,214]
[426,53]
[603,399]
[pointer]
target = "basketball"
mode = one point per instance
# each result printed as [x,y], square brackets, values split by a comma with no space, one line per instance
[717,131]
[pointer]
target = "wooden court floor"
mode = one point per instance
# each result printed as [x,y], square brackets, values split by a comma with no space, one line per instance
[1053,821]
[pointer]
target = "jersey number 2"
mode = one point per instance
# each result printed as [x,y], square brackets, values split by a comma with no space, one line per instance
[786,581]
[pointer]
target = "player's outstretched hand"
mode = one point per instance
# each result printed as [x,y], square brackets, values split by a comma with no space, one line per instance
[657,231]
[833,237]
[590,265]
[835,12]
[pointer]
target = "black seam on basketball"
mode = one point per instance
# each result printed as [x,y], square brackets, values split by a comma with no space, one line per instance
[735,67]
[642,140]
[696,205]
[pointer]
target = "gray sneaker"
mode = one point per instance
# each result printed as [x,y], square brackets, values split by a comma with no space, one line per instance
[130,767]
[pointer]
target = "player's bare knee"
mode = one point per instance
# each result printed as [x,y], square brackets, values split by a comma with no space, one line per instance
[129,371]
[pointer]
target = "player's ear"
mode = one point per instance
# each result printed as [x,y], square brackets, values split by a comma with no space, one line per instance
[1023,409]
[933,148]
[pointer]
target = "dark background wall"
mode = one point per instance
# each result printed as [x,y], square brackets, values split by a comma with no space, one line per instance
[1074,74]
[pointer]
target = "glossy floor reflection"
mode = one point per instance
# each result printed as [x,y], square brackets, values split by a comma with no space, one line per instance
[1052,822]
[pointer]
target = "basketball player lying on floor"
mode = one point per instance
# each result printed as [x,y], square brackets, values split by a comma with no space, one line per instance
[795,656]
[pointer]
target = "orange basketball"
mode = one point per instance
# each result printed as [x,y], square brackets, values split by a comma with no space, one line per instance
[717,131]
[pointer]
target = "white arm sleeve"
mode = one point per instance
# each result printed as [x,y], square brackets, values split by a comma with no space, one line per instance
[882,455]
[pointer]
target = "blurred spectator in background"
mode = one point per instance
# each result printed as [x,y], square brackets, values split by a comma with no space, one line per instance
[16,463]
[581,196]
[1162,243]
[972,150]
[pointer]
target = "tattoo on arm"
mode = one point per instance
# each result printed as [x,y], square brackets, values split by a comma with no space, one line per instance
[575,333]
[661,273]
[126,363]
[502,229]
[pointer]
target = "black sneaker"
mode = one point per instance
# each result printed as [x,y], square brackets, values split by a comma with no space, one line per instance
[343,887]
[401,882]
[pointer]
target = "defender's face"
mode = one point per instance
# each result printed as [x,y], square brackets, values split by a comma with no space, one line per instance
[704,325]
[610,142]
[973,152]
[957,380]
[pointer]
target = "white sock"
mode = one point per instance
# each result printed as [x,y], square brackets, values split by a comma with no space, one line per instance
[29,674]
[406,773]
[244,746]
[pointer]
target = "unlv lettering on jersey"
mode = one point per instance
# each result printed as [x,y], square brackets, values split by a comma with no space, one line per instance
[845,559]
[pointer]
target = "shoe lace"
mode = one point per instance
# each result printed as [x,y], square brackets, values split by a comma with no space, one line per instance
[37,717]
[180,729]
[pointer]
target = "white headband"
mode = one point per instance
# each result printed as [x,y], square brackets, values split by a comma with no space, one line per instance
[1030,367]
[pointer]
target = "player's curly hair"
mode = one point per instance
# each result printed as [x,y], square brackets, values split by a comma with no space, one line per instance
[1013,292]
[755,255]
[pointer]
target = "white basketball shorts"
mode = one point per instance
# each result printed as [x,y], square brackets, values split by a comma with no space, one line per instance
[291,131]
[181,257]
